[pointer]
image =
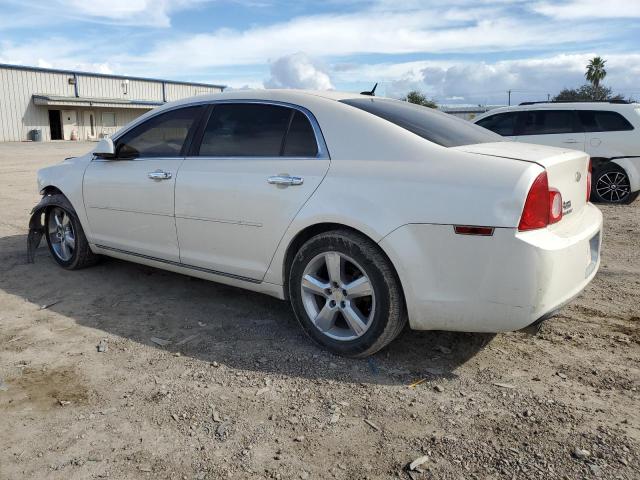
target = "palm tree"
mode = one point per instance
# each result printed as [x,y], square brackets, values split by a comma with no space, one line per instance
[595,71]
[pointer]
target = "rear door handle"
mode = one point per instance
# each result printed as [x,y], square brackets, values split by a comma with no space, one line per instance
[159,175]
[285,180]
[571,140]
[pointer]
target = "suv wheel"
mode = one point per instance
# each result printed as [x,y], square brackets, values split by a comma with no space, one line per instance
[611,185]
[345,294]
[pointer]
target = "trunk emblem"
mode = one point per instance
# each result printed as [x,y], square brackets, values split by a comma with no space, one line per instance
[578,176]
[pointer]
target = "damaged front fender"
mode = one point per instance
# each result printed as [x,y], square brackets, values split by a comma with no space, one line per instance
[36,222]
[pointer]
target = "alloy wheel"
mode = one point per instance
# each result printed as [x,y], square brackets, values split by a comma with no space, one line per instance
[613,187]
[61,234]
[338,296]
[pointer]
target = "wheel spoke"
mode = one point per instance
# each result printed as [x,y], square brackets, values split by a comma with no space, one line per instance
[326,318]
[360,287]
[64,249]
[65,219]
[314,285]
[354,319]
[70,241]
[334,267]
[56,218]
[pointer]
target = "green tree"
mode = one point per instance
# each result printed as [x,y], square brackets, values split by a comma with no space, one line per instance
[587,93]
[414,96]
[595,71]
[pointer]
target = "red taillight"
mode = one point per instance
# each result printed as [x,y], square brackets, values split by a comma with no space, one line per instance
[589,168]
[542,207]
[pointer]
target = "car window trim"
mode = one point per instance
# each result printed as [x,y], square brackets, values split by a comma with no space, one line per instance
[323,151]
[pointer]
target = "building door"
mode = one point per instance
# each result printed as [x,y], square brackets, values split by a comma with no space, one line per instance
[89,120]
[55,124]
[69,123]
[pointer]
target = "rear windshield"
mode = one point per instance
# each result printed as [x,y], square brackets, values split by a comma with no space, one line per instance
[435,126]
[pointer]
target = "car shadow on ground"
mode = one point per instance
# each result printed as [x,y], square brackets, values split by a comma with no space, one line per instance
[216,323]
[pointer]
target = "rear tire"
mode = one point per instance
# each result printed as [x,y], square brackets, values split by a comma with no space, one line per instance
[345,294]
[66,239]
[611,185]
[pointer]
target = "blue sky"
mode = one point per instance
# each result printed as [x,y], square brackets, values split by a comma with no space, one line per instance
[457,51]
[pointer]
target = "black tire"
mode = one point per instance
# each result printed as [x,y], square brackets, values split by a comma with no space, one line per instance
[612,175]
[388,317]
[81,256]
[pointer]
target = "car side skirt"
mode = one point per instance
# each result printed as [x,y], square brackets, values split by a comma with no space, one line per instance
[267,288]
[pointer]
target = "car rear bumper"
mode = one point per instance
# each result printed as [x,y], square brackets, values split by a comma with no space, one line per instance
[496,283]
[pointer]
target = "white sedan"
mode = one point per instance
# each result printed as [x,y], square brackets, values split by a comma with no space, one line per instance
[363,212]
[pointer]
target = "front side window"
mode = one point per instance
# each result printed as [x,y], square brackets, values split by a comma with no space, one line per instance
[603,121]
[161,136]
[437,127]
[245,130]
[548,122]
[501,123]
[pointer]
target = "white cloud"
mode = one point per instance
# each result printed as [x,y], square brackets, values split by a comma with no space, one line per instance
[298,71]
[575,9]
[488,82]
[52,53]
[139,13]
[339,35]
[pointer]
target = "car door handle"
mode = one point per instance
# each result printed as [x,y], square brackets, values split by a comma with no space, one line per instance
[159,175]
[285,180]
[571,140]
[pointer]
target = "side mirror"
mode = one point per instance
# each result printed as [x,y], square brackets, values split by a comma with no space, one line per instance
[105,149]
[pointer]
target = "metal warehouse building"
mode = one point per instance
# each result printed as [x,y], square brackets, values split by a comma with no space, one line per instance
[48,104]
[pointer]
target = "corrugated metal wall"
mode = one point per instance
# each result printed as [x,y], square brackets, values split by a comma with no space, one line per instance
[19,115]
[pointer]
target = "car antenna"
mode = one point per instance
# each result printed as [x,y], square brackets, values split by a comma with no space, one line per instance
[372,93]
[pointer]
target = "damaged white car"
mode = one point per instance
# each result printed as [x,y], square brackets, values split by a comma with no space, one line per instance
[363,212]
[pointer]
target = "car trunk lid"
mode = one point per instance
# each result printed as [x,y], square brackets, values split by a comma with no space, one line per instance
[567,170]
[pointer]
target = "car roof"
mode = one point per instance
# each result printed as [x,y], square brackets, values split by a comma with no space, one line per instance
[298,97]
[610,106]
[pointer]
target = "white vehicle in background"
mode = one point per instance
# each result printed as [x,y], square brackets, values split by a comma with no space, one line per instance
[608,131]
[363,212]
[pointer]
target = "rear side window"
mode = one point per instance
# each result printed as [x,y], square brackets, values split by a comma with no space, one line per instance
[501,123]
[602,121]
[161,136]
[548,122]
[437,127]
[301,140]
[245,130]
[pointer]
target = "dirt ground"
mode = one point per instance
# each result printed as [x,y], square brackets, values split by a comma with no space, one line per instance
[241,393]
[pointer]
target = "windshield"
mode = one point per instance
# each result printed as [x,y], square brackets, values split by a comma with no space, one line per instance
[437,127]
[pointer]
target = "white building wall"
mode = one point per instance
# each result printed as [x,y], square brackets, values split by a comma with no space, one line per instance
[19,115]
